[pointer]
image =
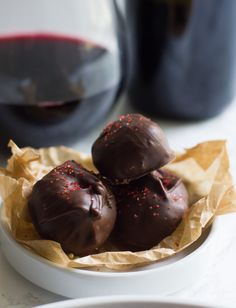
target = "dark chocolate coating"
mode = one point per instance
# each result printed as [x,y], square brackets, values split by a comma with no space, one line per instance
[148,210]
[72,206]
[130,148]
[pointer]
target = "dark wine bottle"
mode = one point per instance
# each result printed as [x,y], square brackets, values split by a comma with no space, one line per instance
[181,56]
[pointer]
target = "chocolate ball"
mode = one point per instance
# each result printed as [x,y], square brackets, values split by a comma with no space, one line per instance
[130,148]
[72,206]
[148,210]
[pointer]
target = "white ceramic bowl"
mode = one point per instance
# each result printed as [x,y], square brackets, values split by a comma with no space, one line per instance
[128,302]
[161,278]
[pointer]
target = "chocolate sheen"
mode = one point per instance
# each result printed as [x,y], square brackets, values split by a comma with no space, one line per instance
[148,210]
[72,206]
[129,148]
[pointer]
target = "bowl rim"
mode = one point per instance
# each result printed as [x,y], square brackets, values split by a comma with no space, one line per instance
[123,299]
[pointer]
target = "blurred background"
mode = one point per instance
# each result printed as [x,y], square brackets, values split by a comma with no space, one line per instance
[68,68]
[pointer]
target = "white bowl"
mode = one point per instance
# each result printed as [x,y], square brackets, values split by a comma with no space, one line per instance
[161,278]
[128,302]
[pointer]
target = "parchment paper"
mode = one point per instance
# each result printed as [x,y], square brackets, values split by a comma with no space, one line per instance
[203,168]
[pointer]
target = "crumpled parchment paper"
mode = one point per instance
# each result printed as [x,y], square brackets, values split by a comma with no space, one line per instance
[203,168]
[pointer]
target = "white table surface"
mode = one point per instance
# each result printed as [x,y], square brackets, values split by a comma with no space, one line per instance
[218,285]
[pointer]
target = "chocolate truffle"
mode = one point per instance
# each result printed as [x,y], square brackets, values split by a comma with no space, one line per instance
[72,206]
[148,210]
[130,148]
